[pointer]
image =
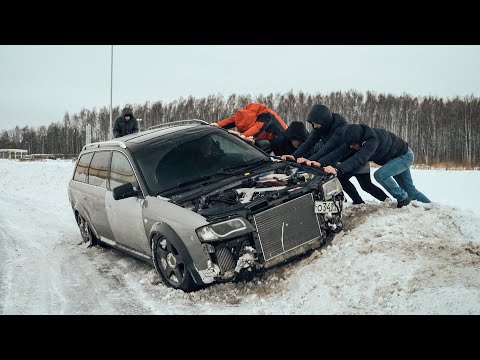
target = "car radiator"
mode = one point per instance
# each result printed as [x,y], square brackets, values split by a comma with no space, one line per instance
[286,227]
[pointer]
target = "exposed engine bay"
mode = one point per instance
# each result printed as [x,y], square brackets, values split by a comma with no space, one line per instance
[259,192]
[282,222]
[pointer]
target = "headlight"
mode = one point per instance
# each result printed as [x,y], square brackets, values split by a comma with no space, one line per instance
[225,230]
[331,188]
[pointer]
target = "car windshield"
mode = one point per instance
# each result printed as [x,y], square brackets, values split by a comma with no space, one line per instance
[204,154]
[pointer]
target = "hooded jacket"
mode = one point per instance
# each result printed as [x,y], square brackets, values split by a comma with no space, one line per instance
[377,145]
[123,127]
[282,145]
[331,132]
[256,120]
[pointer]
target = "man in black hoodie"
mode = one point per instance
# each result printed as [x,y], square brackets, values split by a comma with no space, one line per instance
[125,124]
[328,129]
[384,148]
[287,143]
[294,137]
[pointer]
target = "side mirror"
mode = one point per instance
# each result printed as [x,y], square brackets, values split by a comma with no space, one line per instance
[124,191]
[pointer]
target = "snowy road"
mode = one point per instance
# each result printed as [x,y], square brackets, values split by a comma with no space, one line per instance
[45,271]
[421,259]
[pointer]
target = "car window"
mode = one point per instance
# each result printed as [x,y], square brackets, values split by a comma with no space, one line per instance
[193,155]
[81,172]
[121,171]
[98,170]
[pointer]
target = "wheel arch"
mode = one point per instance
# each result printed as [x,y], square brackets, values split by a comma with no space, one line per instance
[164,230]
[78,209]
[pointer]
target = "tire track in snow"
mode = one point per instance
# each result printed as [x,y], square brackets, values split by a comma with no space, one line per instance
[45,272]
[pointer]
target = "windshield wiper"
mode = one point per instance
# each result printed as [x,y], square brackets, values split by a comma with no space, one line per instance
[243,167]
[188,182]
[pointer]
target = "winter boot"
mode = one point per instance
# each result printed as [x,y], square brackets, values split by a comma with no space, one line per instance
[403,202]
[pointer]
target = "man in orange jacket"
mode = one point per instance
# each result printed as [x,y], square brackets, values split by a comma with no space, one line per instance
[256,121]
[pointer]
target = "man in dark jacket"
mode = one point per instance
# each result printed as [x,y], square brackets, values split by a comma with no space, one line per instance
[294,137]
[384,148]
[328,129]
[286,143]
[125,124]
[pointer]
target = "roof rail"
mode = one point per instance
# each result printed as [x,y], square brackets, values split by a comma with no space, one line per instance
[111,142]
[180,122]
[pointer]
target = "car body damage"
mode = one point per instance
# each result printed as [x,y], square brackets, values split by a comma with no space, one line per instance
[201,204]
[260,203]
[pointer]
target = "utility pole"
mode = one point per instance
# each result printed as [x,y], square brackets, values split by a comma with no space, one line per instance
[111,89]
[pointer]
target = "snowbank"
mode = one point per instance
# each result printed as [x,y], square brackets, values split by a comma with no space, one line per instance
[421,259]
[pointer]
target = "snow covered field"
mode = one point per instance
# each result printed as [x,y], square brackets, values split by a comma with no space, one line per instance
[421,259]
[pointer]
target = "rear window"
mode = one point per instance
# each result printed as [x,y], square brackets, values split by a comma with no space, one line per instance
[98,171]
[81,172]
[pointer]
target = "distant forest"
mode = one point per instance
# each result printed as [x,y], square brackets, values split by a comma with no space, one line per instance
[439,131]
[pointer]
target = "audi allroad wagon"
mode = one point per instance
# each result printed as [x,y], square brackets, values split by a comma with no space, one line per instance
[201,204]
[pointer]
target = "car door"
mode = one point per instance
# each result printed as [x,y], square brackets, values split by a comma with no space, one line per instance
[125,215]
[97,178]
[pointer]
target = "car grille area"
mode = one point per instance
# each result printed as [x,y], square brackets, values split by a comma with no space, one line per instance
[225,259]
[287,226]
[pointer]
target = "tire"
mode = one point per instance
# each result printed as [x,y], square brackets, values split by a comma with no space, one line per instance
[170,265]
[86,232]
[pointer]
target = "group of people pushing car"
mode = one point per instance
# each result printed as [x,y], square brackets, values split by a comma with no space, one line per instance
[339,147]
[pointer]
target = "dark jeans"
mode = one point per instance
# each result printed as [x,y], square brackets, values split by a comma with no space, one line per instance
[365,182]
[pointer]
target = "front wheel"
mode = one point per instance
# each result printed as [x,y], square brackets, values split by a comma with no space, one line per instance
[170,265]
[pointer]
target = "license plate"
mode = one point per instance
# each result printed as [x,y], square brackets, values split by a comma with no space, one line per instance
[322,207]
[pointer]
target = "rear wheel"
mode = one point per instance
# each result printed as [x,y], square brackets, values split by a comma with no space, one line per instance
[85,231]
[170,265]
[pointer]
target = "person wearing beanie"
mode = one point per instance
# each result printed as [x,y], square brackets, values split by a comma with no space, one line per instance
[125,124]
[328,130]
[255,121]
[385,149]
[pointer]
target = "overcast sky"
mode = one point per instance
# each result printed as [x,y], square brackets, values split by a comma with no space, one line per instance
[38,84]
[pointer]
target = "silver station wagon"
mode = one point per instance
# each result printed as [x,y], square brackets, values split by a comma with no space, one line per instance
[201,204]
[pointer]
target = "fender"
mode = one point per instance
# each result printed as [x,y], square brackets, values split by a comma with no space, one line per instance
[164,230]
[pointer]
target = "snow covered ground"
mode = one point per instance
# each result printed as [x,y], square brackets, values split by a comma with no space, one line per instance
[421,259]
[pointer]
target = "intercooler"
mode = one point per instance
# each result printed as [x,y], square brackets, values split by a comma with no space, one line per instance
[286,227]
[225,259]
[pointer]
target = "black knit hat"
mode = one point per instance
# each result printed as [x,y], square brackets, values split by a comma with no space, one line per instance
[320,114]
[127,111]
[296,131]
[353,134]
